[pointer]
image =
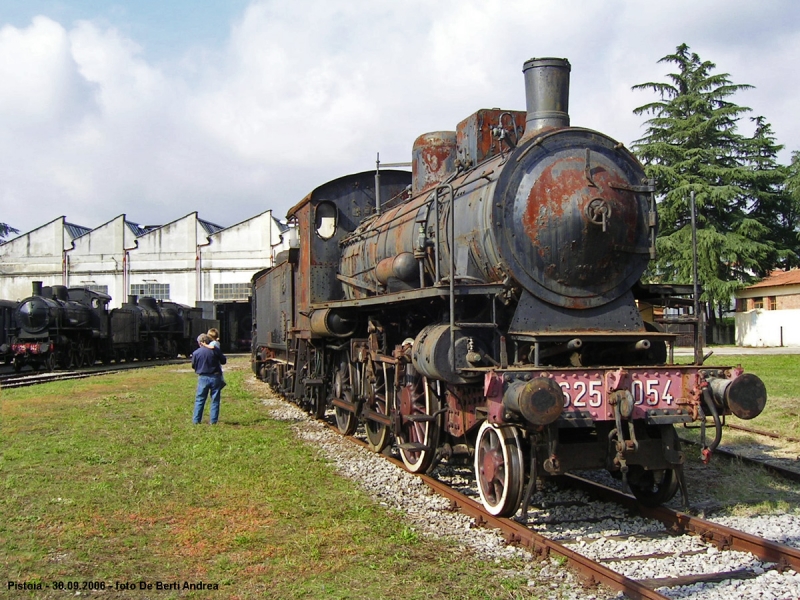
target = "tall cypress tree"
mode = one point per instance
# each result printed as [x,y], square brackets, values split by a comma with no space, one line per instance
[6,230]
[793,204]
[772,203]
[691,143]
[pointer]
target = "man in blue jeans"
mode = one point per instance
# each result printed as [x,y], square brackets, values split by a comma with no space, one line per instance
[207,362]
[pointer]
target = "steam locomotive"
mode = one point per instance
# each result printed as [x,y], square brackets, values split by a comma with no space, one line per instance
[490,308]
[61,327]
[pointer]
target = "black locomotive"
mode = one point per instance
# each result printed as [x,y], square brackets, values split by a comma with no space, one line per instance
[60,327]
[489,308]
[7,329]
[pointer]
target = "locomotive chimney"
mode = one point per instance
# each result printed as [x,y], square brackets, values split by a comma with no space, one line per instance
[546,94]
[37,288]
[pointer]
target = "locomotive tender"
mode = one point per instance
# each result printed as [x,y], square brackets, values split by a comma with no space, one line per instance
[488,309]
[61,327]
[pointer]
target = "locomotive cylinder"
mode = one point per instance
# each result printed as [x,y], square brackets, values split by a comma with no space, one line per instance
[431,354]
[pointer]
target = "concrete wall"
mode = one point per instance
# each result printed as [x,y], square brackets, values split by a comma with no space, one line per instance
[765,327]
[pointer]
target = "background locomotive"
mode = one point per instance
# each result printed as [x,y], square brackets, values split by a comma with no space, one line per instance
[60,327]
[489,308]
[7,329]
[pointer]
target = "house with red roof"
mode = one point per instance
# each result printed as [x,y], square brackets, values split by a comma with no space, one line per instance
[768,312]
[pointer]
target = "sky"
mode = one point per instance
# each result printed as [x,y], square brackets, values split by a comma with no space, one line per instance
[230,108]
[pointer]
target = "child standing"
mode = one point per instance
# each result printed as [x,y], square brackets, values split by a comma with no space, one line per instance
[213,333]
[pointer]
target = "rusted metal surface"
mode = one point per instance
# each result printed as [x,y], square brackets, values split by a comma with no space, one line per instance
[433,159]
[549,221]
[461,404]
[476,140]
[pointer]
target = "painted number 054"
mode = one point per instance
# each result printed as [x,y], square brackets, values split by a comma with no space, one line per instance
[644,392]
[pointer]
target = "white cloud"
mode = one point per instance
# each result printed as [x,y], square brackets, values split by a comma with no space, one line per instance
[303,92]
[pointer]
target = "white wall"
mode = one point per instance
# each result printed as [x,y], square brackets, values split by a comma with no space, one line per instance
[761,327]
[170,255]
[34,256]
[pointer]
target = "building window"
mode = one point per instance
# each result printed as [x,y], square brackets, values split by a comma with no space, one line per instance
[231,291]
[103,289]
[772,302]
[758,302]
[741,304]
[159,291]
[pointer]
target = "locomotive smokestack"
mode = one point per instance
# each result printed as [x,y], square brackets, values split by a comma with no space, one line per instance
[37,288]
[546,94]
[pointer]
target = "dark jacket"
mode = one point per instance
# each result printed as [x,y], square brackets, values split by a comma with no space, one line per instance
[208,361]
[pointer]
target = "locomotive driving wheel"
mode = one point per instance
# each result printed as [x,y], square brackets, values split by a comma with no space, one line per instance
[420,425]
[378,387]
[499,469]
[346,421]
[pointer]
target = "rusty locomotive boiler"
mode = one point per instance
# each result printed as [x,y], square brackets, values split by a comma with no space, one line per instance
[484,306]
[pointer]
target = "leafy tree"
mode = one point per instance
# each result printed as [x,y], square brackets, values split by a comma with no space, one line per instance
[691,144]
[793,201]
[6,230]
[771,201]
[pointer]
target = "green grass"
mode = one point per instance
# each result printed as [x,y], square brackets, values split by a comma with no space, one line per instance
[781,376]
[746,489]
[107,480]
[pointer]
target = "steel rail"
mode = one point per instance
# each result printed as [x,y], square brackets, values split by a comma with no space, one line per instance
[516,533]
[724,538]
[778,470]
[765,433]
[17,380]
[721,536]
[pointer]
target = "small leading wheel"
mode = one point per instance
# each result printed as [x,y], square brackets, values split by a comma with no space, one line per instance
[378,434]
[499,469]
[346,421]
[50,362]
[419,429]
[316,398]
[652,488]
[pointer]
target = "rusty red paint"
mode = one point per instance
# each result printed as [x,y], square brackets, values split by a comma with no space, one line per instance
[474,134]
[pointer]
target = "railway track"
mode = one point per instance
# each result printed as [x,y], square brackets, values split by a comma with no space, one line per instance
[17,380]
[593,563]
[598,558]
[786,468]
